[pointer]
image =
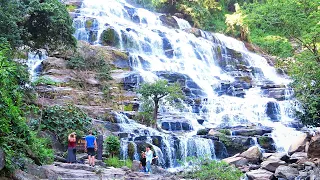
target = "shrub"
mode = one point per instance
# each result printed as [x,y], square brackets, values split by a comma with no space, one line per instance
[63,119]
[204,169]
[128,107]
[44,81]
[117,163]
[225,131]
[112,145]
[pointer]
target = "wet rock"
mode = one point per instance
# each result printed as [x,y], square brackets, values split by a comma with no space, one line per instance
[298,145]
[200,121]
[235,144]
[266,143]
[113,127]
[179,15]
[272,165]
[110,37]
[273,111]
[121,59]
[275,157]
[259,174]
[313,150]
[91,24]
[93,36]
[286,172]
[203,131]
[2,159]
[76,3]
[176,126]
[250,132]
[21,175]
[169,21]
[194,31]
[131,81]
[220,150]
[253,154]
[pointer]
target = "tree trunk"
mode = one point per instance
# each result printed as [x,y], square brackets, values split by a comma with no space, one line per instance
[155,111]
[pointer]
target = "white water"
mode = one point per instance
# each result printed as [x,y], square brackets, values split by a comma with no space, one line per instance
[154,47]
[34,61]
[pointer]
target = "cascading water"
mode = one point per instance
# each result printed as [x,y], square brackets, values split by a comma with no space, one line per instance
[226,85]
[34,63]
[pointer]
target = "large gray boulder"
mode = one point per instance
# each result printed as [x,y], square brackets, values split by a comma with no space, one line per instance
[21,175]
[313,150]
[135,165]
[298,145]
[286,172]
[253,154]
[236,160]
[259,174]
[2,159]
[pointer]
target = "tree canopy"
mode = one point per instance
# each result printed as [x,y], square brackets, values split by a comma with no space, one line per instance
[37,24]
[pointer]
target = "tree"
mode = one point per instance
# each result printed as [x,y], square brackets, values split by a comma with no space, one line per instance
[112,145]
[159,90]
[37,24]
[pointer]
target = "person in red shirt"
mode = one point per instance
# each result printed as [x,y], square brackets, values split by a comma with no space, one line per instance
[71,158]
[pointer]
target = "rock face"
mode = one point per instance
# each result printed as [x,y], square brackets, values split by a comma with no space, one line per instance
[286,172]
[21,175]
[169,21]
[272,165]
[314,148]
[298,145]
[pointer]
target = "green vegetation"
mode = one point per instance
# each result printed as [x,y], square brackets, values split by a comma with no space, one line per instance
[63,119]
[20,144]
[128,107]
[204,169]
[44,81]
[225,131]
[117,163]
[157,91]
[112,144]
[36,24]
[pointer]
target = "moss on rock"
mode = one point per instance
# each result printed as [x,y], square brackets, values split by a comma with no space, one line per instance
[110,37]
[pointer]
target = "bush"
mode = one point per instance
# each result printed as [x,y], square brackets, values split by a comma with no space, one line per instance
[117,163]
[204,169]
[44,81]
[112,145]
[63,119]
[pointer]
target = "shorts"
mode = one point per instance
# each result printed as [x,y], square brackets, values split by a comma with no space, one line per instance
[91,152]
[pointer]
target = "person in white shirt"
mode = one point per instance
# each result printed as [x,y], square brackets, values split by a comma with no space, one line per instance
[149,157]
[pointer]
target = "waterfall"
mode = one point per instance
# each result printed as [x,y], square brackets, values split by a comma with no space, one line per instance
[226,85]
[34,63]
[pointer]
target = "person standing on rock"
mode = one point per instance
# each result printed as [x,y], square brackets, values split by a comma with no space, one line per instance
[143,162]
[90,147]
[71,158]
[149,157]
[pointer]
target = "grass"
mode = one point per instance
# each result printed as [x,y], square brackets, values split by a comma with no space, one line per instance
[44,81]
[117,163]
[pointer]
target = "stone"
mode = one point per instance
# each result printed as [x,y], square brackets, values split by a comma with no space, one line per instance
[275,157]
[253,154]
[110,37]
[202,131]
[298,145]
[21,175]
[76,3]
[272,165]
[236,160]
[267,143]
[135,165]
[297,156]
[194,31]
[286,172]
[2,159]
[220,150]
[212,132]
[273,111]
[313,149]
[169,21]
[259,174]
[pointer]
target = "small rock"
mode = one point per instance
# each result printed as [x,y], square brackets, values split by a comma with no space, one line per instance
[259,174]
[286,172]
[125,168]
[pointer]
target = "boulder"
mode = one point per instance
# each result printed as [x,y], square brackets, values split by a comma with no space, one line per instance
[220,150]
[286,172]
[194,31]
[273,111]
[313,149]
[135,165]
[236,160]
[298,145]
[110,37]
[253,154]
[275,157]
[21,175]
[297,156]
[272,165]
[2,159]
[169,21]
[267,143]
[259,174]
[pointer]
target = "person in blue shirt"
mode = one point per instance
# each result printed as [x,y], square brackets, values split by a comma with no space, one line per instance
[90,147]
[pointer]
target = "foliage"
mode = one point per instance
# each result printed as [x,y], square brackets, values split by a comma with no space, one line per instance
[63,119]
[117,163]
[18,141]
[37,24]
[305,72]
[112,144]
[159,90]
[44,81]
[128,107]
[89,58]
[225,131]
[203,169]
